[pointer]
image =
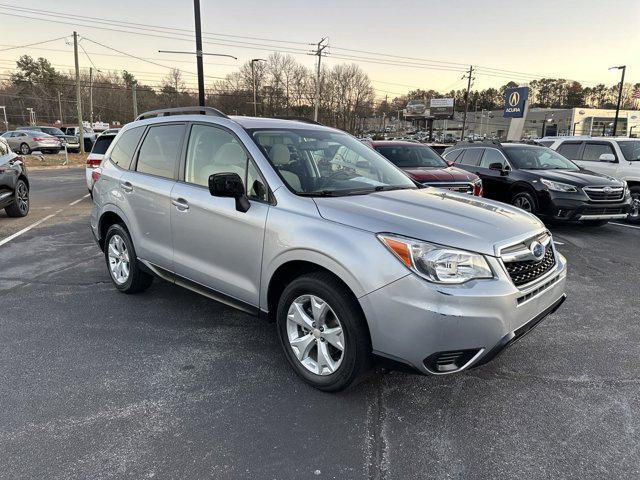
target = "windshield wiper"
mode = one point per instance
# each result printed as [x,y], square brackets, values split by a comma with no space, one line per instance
[320,193]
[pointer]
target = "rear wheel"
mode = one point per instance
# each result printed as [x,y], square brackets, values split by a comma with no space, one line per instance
[122,262]
[634,215]
[24,149]
[323,332]
[525,201]
[20,205]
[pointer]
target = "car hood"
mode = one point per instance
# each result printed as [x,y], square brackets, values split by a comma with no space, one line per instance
[443,174]
[442,217]
[579,178]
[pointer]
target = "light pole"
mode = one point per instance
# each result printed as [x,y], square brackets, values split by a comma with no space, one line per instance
[630,129]
[574,127]
[253,76]
[4,110]
[615,122]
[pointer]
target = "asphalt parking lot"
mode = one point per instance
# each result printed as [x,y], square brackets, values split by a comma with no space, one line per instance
[168,384]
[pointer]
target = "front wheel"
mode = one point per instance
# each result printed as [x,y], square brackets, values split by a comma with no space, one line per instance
[122,262]
[323,332]
[525,201]
[634,215]
[20,205]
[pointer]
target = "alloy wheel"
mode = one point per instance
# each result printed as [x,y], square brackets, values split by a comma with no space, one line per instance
[119,262]
[315,334]
[23,198]
[523,203]
[635,207]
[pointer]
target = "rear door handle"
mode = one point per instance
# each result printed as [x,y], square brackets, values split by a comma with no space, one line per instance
[180,203]
[126,186]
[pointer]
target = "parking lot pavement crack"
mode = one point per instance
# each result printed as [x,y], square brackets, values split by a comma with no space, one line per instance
[376,442]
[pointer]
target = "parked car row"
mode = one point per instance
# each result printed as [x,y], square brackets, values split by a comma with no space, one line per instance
[306,226]
[45,139]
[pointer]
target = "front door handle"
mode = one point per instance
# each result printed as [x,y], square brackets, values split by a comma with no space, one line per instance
[180,203]
[126,186]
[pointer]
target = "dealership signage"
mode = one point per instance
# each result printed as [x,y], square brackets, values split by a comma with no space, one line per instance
[441,107]
[514,102]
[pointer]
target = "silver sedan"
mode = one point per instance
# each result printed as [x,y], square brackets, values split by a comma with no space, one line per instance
[25,142]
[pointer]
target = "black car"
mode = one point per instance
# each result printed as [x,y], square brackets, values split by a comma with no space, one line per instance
[543,182]
[14,183]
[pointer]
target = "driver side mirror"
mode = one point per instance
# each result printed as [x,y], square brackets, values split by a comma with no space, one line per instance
[504,170]
[229,185]
[607,157]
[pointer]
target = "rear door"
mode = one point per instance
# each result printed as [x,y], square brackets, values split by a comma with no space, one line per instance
[216,245]
[470,160]
[146,192]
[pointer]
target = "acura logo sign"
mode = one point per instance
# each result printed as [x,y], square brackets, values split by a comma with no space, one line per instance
[514,99]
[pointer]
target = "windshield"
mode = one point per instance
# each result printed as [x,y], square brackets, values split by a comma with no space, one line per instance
[527,157]
[630,150]
[102,144]
[412,156]
[326,163]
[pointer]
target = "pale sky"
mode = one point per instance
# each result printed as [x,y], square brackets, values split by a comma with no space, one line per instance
[571,39]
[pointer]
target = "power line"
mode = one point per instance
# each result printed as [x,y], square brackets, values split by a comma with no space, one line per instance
[32,44]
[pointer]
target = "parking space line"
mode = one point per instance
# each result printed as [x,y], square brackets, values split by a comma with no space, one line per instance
[78,201]
[624,225]
[26,229]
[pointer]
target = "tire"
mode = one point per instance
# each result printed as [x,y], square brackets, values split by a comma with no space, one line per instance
[24,149]
[20,206]
[136,280]
[634,216]
[343,313]
[594,223]
[525,201]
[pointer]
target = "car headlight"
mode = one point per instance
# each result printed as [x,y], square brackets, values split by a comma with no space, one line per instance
[557,186]
[437,263]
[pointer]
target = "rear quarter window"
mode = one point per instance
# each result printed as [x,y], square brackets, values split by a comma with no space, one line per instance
[123,150]
[571,150]
[471,156]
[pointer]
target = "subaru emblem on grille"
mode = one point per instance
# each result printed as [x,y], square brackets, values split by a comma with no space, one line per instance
[607,189]
[537,250]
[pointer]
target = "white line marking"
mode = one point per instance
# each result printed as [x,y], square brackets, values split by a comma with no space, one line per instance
[558,243]
[24,230]
[78,201]
[623,225]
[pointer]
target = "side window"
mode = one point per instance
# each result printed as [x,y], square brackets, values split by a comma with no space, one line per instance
[592,151]
[571,150]
[491,155]
[453,155]
[471,156]
[159,153]
[213,150]
[256,186]
[122,151]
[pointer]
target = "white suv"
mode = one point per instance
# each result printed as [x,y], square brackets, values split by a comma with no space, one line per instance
[616,157]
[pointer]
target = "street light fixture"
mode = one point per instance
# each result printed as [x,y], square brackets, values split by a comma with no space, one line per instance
[615,122]
[253,76]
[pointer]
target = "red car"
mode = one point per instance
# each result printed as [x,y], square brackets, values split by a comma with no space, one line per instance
[425,166]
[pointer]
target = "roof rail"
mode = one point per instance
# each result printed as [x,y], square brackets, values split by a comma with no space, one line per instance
[298,119]
[166,112]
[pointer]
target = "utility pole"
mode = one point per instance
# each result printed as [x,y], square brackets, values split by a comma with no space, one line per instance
[60,108]
[78,93]
[466,101]
[200,65]
[6,123]
[135,99]
[255,88]
[318,52]
[91,97]
[615,122]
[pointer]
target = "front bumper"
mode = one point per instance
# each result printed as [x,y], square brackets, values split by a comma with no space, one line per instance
[420,323]
[577,206]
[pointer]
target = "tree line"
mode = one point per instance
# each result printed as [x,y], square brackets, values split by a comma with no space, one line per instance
[283,87]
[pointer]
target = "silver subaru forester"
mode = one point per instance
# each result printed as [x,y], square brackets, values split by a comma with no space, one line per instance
[308,227]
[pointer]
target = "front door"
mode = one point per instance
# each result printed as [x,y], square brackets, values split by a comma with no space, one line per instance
[494,182]
[216,245]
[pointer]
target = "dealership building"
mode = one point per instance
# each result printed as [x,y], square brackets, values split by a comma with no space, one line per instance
[541,122]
